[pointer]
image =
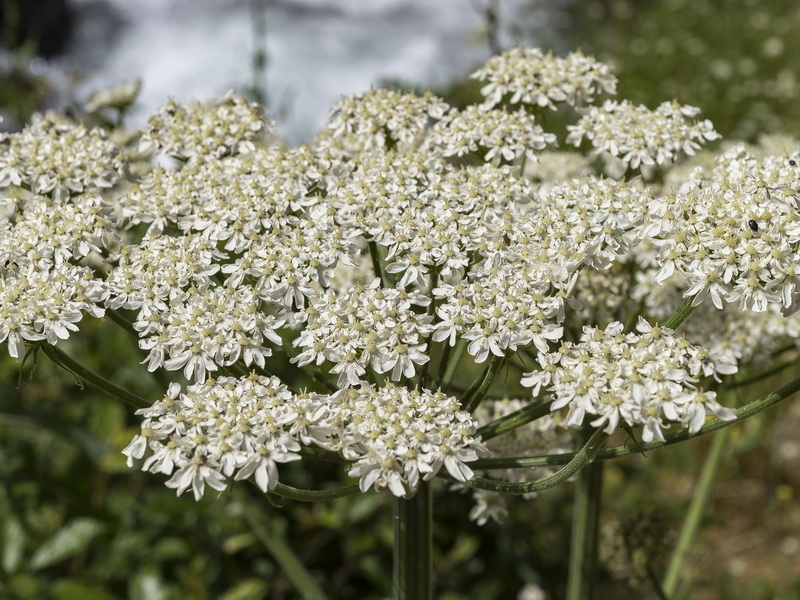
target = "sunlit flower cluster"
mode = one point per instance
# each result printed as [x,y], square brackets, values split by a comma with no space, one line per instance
[366,326]
[148,275]
[44,304]
[230,126]
[407,245]
[641,378]
[56,157]
[640,136]
[741,336]
[205,330]
[501,308]
[380,118]
[230,428]
[496,135]
[45,231]
[398,437]
[529,76]
[225,428]
[734,235]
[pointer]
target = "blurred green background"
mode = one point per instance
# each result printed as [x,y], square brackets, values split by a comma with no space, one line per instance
[76,523]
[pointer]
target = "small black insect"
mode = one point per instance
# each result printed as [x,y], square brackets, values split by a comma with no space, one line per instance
[753,225]
[793,163]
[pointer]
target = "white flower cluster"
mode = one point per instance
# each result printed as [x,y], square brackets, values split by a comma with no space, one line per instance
[240,428]
[287,266]
[429,218]
[640,136]
[637,378]
[225,428]
[588,220]
[501,308]
[229,199]
[529,76]
[230,126]
[206,330]
[734,235]
[44,304]
[380,119]
[367,326]
[741,336]
[499,135]
[46,231]
[397,436]
[58,158]
[149,275]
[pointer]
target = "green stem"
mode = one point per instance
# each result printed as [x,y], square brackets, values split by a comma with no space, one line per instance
[266,532]
[377,265]
[745,412]
[291,493]
[444,357]
[585,527]
[120,320]
[480,388]
[579,460]
[452,365]
[763,375]
[413,540]
[679,316]
[513,420]
[691,524]
[66,362]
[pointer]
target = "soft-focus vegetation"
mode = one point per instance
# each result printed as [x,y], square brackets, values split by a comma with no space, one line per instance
[75,523]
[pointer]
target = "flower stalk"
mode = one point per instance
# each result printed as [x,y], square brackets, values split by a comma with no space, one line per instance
[413,541]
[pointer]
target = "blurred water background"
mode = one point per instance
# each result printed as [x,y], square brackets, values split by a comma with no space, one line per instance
[298,55]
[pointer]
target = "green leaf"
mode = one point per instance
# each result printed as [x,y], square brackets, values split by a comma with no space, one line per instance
[70,589]
[67,542]
[13,537]
[249,589]
[21,586]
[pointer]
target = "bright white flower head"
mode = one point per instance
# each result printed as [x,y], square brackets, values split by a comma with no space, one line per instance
[529,76]
[39,303]
[640,136]
[400,437]
[229,126]
[734,234]
[225,428]
[503,136]
[380,119]
[643,378]
[366,326]
[58,158]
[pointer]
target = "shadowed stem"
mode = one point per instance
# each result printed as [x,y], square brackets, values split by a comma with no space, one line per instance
[267,532]
[745,412]
[66,362]
[679,316]
[413,579]
[585,527]
[694,518]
